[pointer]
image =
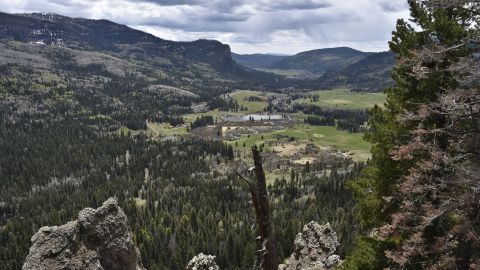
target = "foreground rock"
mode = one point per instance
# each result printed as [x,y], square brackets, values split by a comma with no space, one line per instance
[314,249]
[202,262]
[98,239]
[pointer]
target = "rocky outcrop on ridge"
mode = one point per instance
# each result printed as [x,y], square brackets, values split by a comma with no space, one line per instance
[202,262]
[99,239]
[314,249]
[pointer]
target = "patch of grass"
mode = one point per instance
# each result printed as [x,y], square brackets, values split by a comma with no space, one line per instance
[253,106]
[140,202]
[292,73]
[319,135]
[345,99]
[100,117]
[165,129]
[123,131]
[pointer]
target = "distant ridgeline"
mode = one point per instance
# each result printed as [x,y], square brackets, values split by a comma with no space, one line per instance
[329,68]
[205,67]
[107,49]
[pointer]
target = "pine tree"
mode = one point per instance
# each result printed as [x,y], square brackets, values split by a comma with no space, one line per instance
[403,193]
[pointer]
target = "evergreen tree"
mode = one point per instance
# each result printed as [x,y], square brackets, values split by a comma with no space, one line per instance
[403,193]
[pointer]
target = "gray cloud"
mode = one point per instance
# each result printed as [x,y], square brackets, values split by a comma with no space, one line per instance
[296,4]
[393,6]
[176,2]
[247,25]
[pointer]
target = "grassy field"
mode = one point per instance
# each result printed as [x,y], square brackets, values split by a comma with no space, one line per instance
[253,107]
[140,202]
[123,131]
[292,73]
[344,99]
[164,129]
[321,136]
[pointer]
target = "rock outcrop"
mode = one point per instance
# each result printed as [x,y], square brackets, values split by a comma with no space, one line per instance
[202,262]
[314,249]
[99,239]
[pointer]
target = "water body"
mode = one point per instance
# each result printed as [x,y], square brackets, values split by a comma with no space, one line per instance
[255,117]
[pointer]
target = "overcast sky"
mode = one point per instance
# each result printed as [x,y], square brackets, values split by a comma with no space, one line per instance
[248,26]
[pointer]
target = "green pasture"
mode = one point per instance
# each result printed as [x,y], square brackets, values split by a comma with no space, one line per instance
[320,135]
[345,99]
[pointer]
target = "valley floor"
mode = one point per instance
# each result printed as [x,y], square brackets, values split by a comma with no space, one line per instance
[288,138]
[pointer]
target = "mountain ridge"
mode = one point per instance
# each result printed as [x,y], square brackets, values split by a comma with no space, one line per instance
[189,65]
[257,60]
[195,66]
[54,29]
[329,68]
[321,60]
[365,75]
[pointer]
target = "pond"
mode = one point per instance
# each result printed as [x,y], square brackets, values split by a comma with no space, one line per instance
[255,117]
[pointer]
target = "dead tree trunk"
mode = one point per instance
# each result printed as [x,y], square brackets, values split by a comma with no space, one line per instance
[258,190]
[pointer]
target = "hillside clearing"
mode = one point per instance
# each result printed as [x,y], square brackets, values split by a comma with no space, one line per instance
[326,137]
[345,99]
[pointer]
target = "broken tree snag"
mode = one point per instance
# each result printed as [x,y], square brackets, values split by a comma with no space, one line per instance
[263,215]
[252,186]
[258,190]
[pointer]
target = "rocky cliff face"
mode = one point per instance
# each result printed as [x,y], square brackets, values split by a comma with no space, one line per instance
[104,35]
[314,249]
[99,239]
[202,262]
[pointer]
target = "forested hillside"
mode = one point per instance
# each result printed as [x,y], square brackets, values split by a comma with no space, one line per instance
[329,68]
[368,74]
[179,199]
[322,60]
[74,115]
[90,109]
[193,66]
[257,60]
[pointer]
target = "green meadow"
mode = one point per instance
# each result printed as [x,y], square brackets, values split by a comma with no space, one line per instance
[345,99]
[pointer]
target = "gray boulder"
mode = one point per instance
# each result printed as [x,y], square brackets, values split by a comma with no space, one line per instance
[202,262]
[99,240]
[314,249]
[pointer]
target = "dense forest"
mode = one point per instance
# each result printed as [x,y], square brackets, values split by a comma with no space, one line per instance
[177,195]
[62,151]
[413,205]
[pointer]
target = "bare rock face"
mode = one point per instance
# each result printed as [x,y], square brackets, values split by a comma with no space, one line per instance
[314,249]
[99,240]
[202,262]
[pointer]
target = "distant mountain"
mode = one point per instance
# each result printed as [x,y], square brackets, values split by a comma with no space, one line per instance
[56,65]
[321,60]
[104,35]
[192,66]
[257,60]
[369,74]
[52,43]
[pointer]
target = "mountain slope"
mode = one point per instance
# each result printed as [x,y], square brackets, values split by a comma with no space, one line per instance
[56,65]
[191,66]
[104,35]
[257,60]
[369,74]
[321,60]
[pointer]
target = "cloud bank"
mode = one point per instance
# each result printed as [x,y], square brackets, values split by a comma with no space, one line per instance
[261,26]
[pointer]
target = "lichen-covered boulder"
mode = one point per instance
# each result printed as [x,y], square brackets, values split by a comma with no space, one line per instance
[202,262]
[314,249]
[99,239]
